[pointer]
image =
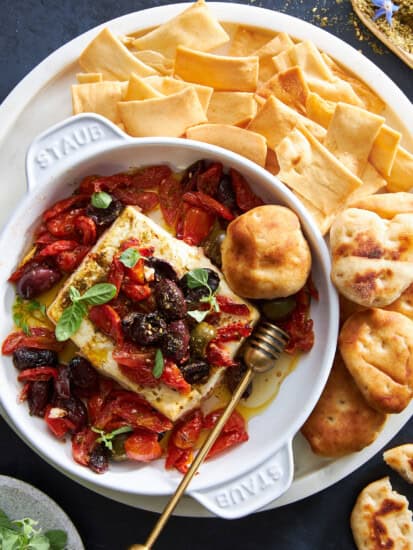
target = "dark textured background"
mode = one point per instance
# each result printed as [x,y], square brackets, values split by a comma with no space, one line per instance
[29,31]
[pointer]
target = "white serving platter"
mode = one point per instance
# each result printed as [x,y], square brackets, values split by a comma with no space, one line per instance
[43,98]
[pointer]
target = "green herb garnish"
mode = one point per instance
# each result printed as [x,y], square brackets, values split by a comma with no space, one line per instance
[159,364]
[27,311]
[24,534]
[199,278]
[101,199]
[107,437]
[72,316]
[130,257]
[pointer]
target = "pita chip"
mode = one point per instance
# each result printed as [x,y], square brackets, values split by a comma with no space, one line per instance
[289,87]
[318,109]
[138,88]
[278,44]
[106,54]
[384,149]
[246,41]
[195,27]
[238,140]
[89,78]
[165,116]
[156,60]
[99,97]
[401,175]
[167,85]
[221,72]
[234,108]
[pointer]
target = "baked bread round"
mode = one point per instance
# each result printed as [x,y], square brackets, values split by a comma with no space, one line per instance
[377,348]
[381,518]
[401,460]
[265,254]
[342,422]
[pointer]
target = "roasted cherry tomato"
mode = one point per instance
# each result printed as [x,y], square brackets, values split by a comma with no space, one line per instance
[218,356]
[69,260]
[233,332]
[208,181]
[226,305]
[233,432]
[136,292]
[147,200]
[170,194]
[209,204]
[65,205]
[151,176]
[197,224]
[63,225]
[83,444]
[59,425]
[40,338]
[87,229]
[108,321]
[143,446]
[116,274]
[37,374]
[245,198]
[178,458]
[186,435]
[57,247]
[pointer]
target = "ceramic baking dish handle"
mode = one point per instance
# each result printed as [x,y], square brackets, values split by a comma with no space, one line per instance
[252,491]
[66,143]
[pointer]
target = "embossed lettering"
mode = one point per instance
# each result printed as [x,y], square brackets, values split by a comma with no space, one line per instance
[222,500]
[249,486]
[263,483]
[96,132]
[43,159]
[68,144]
[237,495]
[81,136]
[274,473]
[54,151]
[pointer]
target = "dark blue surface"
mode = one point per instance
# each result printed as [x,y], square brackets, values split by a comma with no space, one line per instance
[31,30]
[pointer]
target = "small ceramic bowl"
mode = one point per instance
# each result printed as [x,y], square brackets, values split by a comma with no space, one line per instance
[254,474]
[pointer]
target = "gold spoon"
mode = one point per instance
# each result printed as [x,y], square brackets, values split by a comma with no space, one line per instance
[260,351]
[369,23]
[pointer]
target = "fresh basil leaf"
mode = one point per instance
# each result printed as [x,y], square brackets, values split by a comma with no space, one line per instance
[70,321]
[159,364]
[98,294]
[39,542]
[27,527]
[57,539]
[5,521]
[130,257]
[10,539]
[74,294]
[198,315]
[106,437]
[197,277]
[101,199]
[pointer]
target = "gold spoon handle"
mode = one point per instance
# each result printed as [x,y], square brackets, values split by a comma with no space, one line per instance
[203,451]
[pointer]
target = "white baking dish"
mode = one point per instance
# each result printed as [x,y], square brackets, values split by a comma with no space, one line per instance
[254,474]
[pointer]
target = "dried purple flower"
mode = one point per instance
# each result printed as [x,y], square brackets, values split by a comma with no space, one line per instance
[387,8]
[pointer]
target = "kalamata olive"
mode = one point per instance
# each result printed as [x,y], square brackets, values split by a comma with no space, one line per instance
[196,372]
[163,269]
[103,217]
[225,193]
[279,308]
[118,447]
[75,409]
[144,328]
[194,295]
[212,244]
[37,280]
[30,358]
[190,176]
[233,377]
[39,397]
[170,300]
[62,382]
[201,335]
[176,341]
[98,459]
[82,373]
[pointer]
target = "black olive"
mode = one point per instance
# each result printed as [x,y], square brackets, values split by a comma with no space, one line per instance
[39,397]
[163,269]
[30,358]
[225,193]
[194,295]
[144,329]
[98,459]
[82,373]
[62,382]
[190,176]
[170,300]
[103,217]
[36,280]
[176,341]
[233,377]
[196,372]
[212,244]
[75,410]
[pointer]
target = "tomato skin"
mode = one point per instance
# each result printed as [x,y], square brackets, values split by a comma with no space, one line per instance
[69,260]
[57,247]
[178,458]
[83,443]
[233,432]
[208,181]
[201,200]
[136,292]
[226,305]
[133,357]
[235,421]
[143,446]
[137,272]
[233,332]
[186,435]
[40,338]
[87,229]
[58,426]
[170,194]
[244,197]
[37,374]
[173,377]
[225,441]
[116,274]
[64,205]
[299,326]
[218,356]
[146,200]
[63,225]
[151,177]
[197,224]
[108,321]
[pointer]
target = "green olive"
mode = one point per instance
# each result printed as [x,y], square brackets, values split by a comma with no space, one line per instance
[212,244]
[201,335]
[279,308]
[118,447]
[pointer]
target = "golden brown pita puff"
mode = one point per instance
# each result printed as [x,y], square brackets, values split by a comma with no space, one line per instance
[167,85]
[320,110]
[99,97]
[401,176]
[372,257]
[342,422]
[351,134]
[245,143]
[381,518]
[401,460]
[404,304]
[88,78]
[245,41]
[165,116]
[311,170]
[377,348]
[289,87]
[138,89]
[195,27]
[156,60]
[221,72]
[386,205]
[371,101]
[107,55]
[236,108]
[278,44]
[384,150]
[275,121]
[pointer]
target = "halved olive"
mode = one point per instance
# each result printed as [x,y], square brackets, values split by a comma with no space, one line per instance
[118,447]
[201,335]
[212,244]
[279,308]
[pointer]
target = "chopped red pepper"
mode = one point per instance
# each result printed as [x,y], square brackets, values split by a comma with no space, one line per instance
[299,326]
[83,443]
[116,274]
